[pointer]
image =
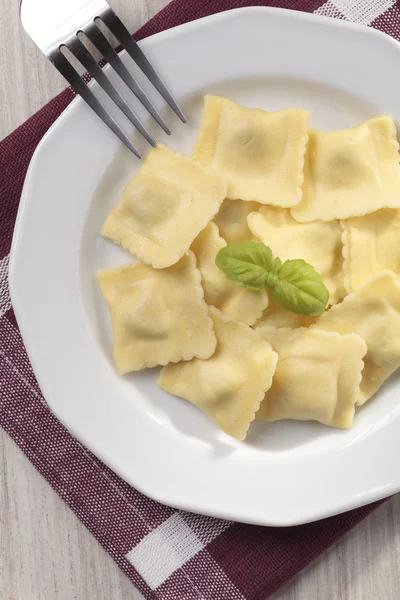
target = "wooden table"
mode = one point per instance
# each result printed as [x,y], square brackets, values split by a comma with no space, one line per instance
[45,551]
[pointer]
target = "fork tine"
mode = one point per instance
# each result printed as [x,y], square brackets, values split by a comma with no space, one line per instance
[103,45]
[116,27]
[90,64]
[75,81]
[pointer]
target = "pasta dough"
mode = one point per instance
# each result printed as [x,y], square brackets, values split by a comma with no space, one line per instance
[157,316]
[317,376]
[261,154]
[317,243]
[234,300]
[371,245]
[230,385]
[232,221]
[351,172]
[373,312]
[164,207]
[276,317]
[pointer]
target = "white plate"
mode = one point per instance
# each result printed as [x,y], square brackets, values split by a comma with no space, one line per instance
[285,473]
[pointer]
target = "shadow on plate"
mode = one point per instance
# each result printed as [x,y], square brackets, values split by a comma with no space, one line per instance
[180,415]
[283,436]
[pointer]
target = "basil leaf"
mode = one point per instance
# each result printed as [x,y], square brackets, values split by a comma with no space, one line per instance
[247,264]
[295,285]
[276,265]
[299,289]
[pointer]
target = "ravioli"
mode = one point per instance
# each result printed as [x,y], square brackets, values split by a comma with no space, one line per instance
[232,220]
[317,243]
[164,207]
[230,385]
[371,245]
[260,153]
[158,316]
[351,172]
[234,300]
[373,312]
[274,316]
[317,377]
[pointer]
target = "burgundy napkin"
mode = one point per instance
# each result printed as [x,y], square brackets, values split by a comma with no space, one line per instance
[167,554]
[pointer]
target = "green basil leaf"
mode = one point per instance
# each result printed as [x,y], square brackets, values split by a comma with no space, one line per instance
[276,265]
[295,285]
[248,264]
[299,288]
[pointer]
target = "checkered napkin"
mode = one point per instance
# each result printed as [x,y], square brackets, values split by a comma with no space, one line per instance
[167,554]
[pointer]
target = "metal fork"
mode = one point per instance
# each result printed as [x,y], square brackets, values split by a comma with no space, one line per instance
[56,24]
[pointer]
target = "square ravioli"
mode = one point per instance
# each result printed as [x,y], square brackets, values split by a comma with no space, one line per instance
[230,385]
[158,316]
[232,220]
[351,172]
[164,207]
[373,312]
[274,316]
[318,243]
[370,245]
[234,300]
[317,377]
[260,153]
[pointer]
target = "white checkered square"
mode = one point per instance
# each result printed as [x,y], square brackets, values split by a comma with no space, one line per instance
[205,528]
[164,550]
[328,9]
[362,11]
[5,300]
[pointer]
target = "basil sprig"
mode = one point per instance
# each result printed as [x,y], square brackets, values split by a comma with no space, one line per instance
[295,285]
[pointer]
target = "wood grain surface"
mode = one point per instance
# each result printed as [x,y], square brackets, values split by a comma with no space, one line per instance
[45,551]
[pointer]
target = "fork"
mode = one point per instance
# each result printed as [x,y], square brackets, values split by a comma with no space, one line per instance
[54,25]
